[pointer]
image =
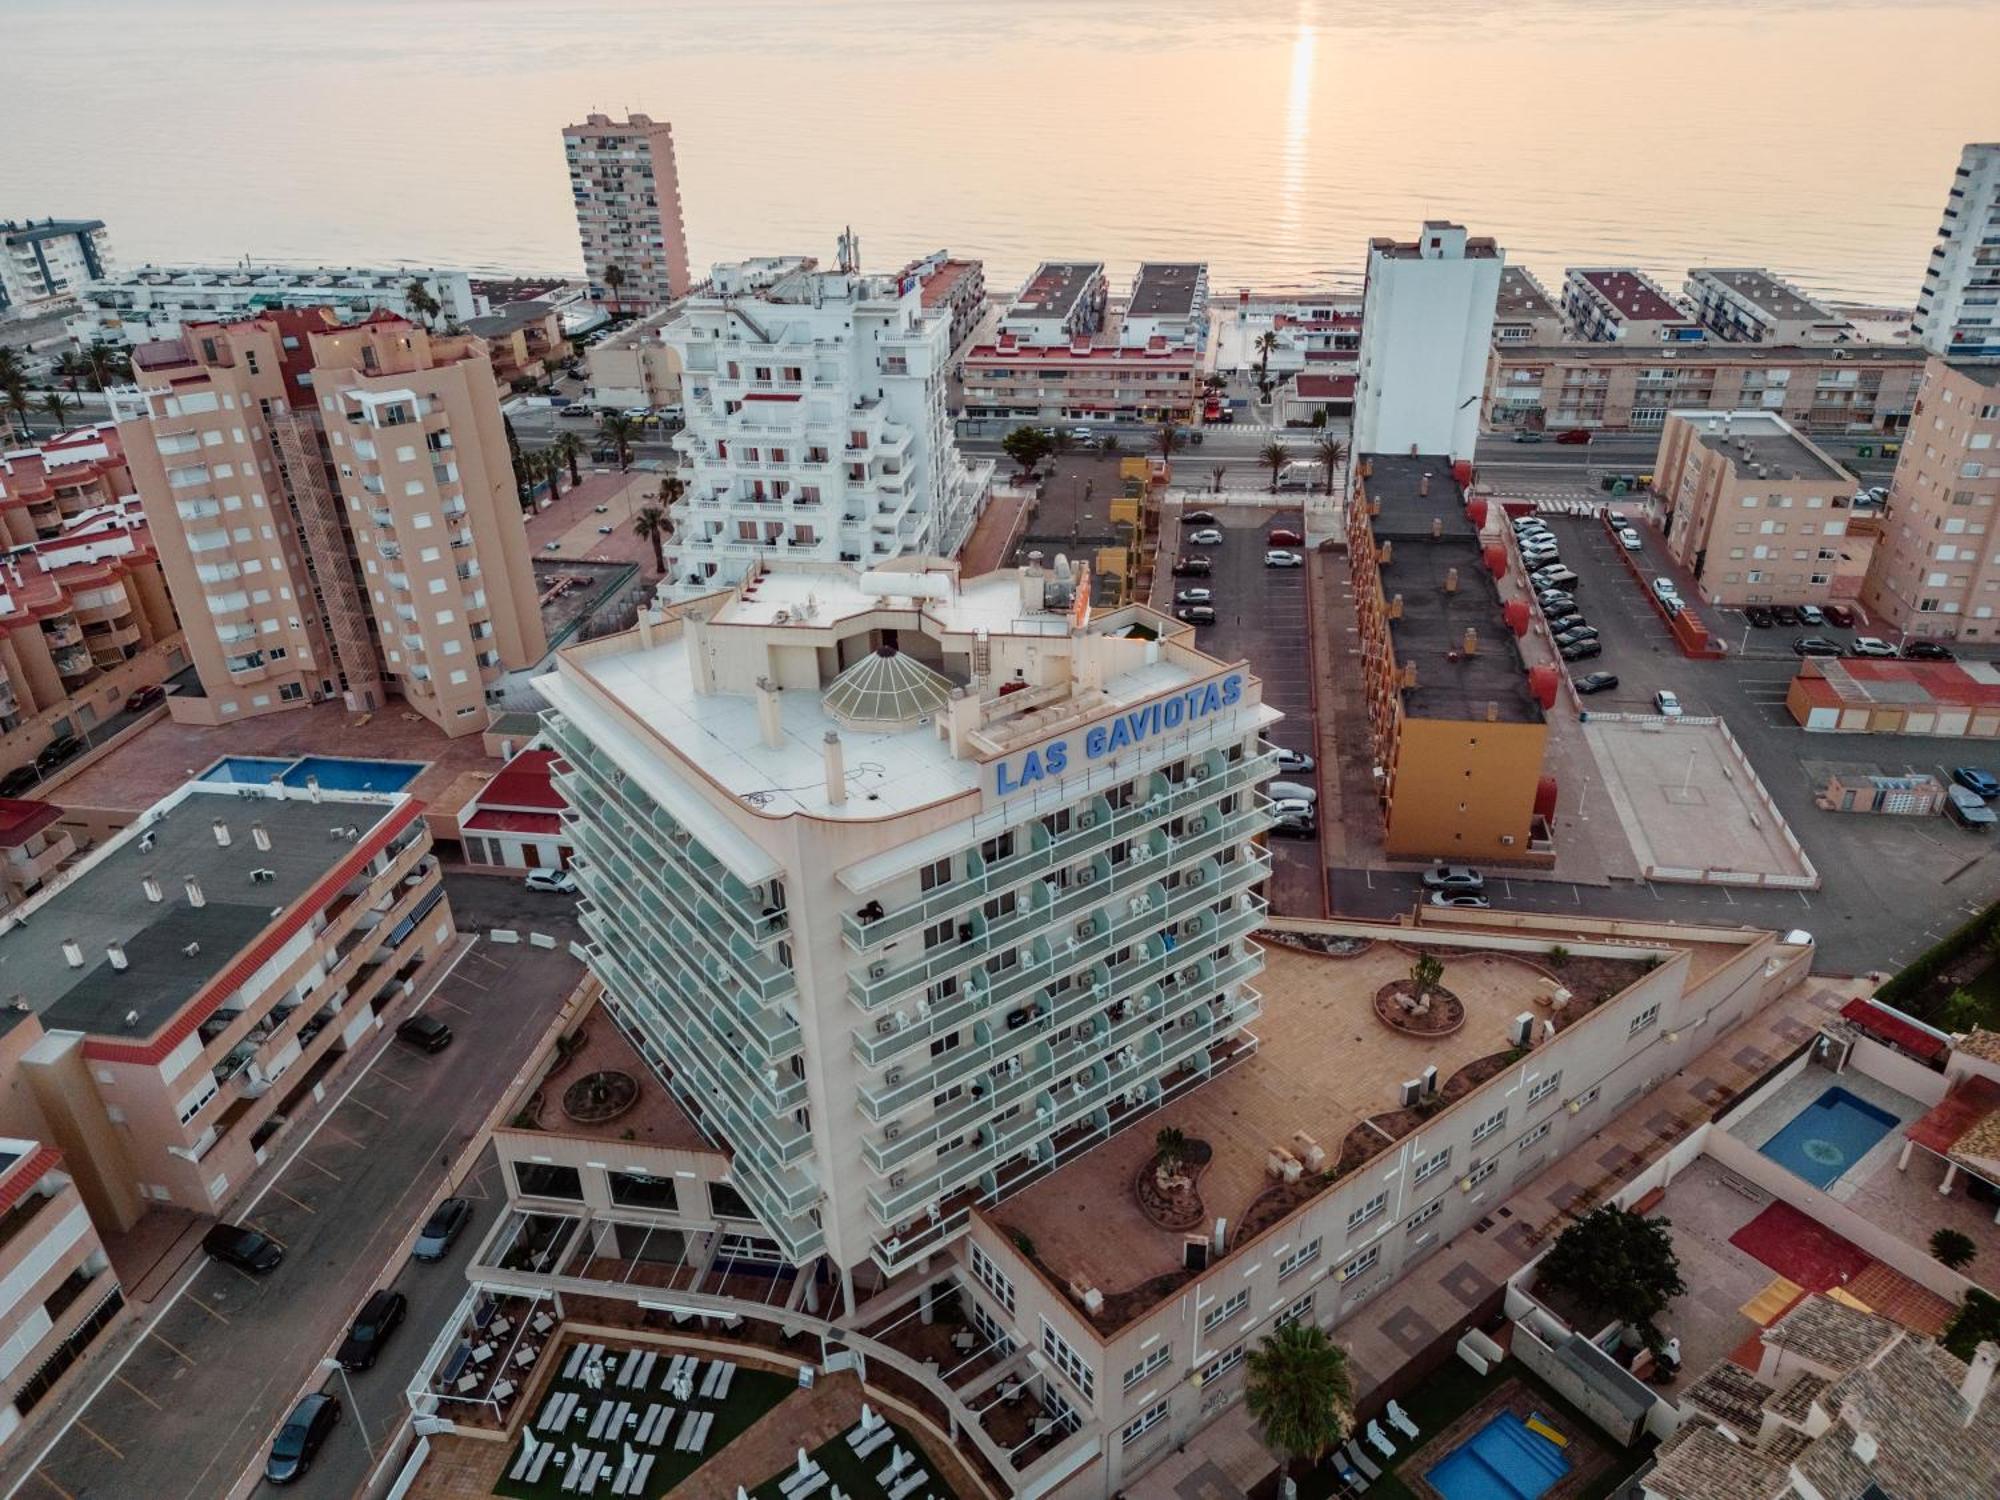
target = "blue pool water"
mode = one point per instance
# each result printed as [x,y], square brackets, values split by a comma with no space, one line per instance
[1504,1460]
[1828,1136]
[334,773]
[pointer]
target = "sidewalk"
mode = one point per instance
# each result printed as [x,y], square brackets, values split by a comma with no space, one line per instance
[1353,838]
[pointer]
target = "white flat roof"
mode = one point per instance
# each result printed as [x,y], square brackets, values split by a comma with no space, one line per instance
[826,597]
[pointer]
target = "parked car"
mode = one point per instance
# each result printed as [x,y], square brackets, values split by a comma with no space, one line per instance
[1667,704]
[1525,435]
[426,1033]
[1840,615]
[1453,878]
[558,882]
[1283,559]
[1571,634]
[1550,599]
[1666,588]
[298,1442]
[605,530]
[1195,596]
[1629,540]
[1968,809]
[1197,518]
[1458,898]
[1291,791]
[441,1228]
[1759,616]
[1581,650]
[1196,614]
[144,698]
[1926,651]
[1284,536]
[1292,807]
[1578,437]
[1786,615]
[371,1328]
[1293,760]
[1815,645]
[63,747]
[1567,619]
[1811,614]
[1870,645]
[1541,557]
[1540,548]
[244,1248]
[18,780]
[1295,828]
[1525,524]
[1554,577]
[1597,682]
[1192,567]
[1206,536]
[1976,779]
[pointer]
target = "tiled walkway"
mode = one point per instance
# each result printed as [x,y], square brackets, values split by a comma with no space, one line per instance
[1431,1301]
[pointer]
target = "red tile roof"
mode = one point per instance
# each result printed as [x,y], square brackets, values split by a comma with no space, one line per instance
[25,1173]
[1969,1101]
[1892,1027]
[523,783]
[211,995]
[1324,387]
[21,818]
[542,825]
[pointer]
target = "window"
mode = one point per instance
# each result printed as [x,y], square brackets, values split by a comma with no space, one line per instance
[1068,1361]
[1646,1018]
[1226,1309]
[1585,1099]
[1147,1366]
[637,1190]
[939,933]
[1425,1214]
[1302,1308]
[1223,1363]
[990,1276]
[540,1179]
[1479,1173]
[1433,1166]
[1367,1211]
[1535,1135]
[1151,1417]
[726,1203]
[1488,1125]
[1545,1087]
[1366,1261]
[935,874]
[1305,1255]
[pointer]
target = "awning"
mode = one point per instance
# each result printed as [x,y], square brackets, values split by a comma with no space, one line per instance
[1899,1030]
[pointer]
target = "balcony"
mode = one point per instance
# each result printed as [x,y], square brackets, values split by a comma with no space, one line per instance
[18,1219]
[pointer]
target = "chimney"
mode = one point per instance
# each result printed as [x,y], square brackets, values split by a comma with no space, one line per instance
[770,727]
[836,770]
[1388,552]
[1451,582]
[1471,646]
[151,886]
[1413,450]
[73,953]
[1865,1447]
[1424,483]
[116,953]
[1437,527]
[1395,606]
[312,788]
[260,836]
[221,832]
[1492,711]
[193,888]
[1978,1376]
[1031,584]
[1409,674]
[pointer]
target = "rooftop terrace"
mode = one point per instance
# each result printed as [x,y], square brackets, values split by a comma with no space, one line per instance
[1747,438]
[1055,289]
[655,1119]
[1165,288]
[1521,296]
[1769,294]
[1632,294]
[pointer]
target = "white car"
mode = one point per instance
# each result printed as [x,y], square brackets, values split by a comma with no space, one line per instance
[1195,596]
[1206,536]
[560,882]
[1668,704]
[1291,807]
[1291,791]
[1629,540]
[1871,645]
[1293,760]
[1282,559]
[1666,588]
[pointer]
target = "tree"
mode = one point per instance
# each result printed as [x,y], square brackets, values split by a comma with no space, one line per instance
[1169,1150]
[1333,453]
[1963,1010]
[15,388]
[570,446]
[652,525]
[11,367]
[1620,1263]
[1027,446]
[1266,342]
[1168,439]
[672,487]
[57,407]
[417,297]
[1425,975]
[1109,447]
[72,369]
[107,364]
[1274,457]
[617,429]
[1976,1322]
[1219,473]
[1953,1250]
[1299,1394]
[1215,383]
[552,469]
[614,278]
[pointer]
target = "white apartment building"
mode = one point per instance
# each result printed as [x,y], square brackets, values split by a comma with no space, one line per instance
[1623,305]
[43,264]
[816,428]
[1169,302]
[1747,304]
[1426,328]
[912,887]
[1958,310]
[150,303]
[628,210]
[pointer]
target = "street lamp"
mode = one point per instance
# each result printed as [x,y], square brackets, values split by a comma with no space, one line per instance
[360,1426]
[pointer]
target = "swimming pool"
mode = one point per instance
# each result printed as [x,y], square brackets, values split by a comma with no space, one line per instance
[1505,1460]
[335,773]
[1828,1136]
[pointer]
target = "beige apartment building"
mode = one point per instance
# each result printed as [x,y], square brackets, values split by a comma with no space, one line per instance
[628,210]
[1750,304]
[636,366]
[1760,514]
[335,512]
[1851,388]
[1936,572]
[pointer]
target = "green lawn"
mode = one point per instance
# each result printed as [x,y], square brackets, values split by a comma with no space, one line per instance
[1985,988]
[751,1394]
[856,1476]
[1448,1394]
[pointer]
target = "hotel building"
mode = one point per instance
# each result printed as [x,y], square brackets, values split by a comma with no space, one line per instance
[1746,304]
[1759,514]
[956,288]
[1426,334]
[1958,310]
[1936,572]
[815,425]
[1458,723]
[628,210]
[334,508]
[151,303]
[42,265]
[1623,305]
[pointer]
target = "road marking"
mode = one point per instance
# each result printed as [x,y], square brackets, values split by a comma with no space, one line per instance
[139,1393]
[99,1439]
[290,1199]
[154,1333]
[38,1474]
[345,1138]
[453,1005]
[462,979]
[318,1168]
[364,1104]
[386,1077]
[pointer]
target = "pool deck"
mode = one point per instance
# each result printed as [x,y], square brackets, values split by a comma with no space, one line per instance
[1765,1121]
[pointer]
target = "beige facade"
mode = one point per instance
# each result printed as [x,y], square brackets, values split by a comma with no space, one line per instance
[1857,388]
[283,496]
[1759,514]
[628,210]
[1937,572]
[635,366]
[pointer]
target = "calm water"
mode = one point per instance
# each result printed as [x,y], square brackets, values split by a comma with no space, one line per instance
[1271,137]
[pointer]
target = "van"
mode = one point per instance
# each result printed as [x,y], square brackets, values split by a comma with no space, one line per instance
[1968,809]
[1301,476]
[1292,791]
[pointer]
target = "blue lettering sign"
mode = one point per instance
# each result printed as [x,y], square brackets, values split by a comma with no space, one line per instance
[1047,762]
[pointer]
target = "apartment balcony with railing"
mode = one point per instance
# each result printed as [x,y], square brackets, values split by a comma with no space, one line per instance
[31,1212]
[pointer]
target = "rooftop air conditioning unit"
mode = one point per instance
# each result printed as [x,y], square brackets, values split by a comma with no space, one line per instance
[1410,1091]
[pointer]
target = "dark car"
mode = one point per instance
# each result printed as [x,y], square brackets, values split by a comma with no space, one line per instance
[1815,645]
[244,1248]
[18,780]
[1567,619]
[144,697]
[371,1328]
[1198,518]
[1597,682]
[426,1033]
[1192,567]
[1926,651]
[1571,634]
[1785,615]
[1973,779]
[1575,436]
[58,750]
[1196,614]
[1839,615]
[1759,616]
[1294,827]
[1284,536]
[1582,650]
[301,1438]
[441,1228]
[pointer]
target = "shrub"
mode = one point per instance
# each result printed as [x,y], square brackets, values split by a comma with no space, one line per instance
[1976,1322]
[1558,955]
[1953,1250]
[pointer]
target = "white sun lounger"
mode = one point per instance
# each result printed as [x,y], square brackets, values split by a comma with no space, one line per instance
[646,1368]
[629,1366]
[898,1462]
[911,1479]
[639,1475]
[701,1430]
[541,1462]
[722,1381]
[875,1440]
[819,1481]
[1400,1420]
[573,1366]
[684,1439]
[599,1419]
[800,1481]
[708,1379]
[594,1465]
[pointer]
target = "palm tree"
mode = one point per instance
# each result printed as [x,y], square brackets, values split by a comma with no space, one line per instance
[1168,439]
[672,487]
[417,297]
[1274,457]
[57,408]
[652,525]
[1266,342]
[11,368]
[15,387]
[570,446]
[72,369]
[107,363]
[1333,453]
[614,278]
[618,430]
[551,464]
[1109,447]
[1299,1394]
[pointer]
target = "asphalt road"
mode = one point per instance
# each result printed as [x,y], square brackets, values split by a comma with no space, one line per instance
[208,1375]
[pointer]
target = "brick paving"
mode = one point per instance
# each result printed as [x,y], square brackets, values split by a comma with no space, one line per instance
[992,535]
[1353,838]
[573,520]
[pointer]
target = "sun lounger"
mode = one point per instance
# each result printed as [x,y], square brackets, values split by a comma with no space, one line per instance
[1381,1441]
[684,1439]
[541,1462]
[1400,1420]
[551,1411]
[1349,1475]
[573,1475]
[820,1479]
[594,1465]
[646,1368]
[910,1481]
[708,1379]
[722,1381]
[573,1366]
[701,1430]
[521,1462]
[639,1475]
[628,1367]
[875,1440]
[571,1401]
[1360,1459]
[898,1462]
[800,1482]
